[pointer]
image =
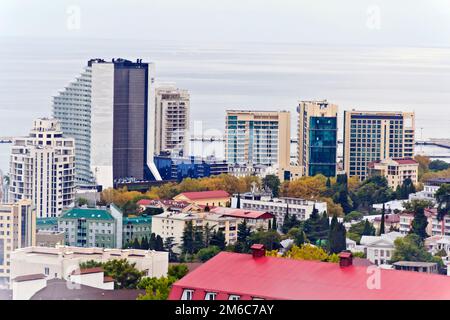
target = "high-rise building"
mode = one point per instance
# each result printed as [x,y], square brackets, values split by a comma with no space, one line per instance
[114,101]
[258,137]
[371,135]
[317,137]
[172,121]
[17,230]
[42,168]
[72,107]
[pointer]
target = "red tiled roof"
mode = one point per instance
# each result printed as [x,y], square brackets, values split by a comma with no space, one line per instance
[206,194]
[88,270]
[289,279]
[242,213]
[108,279]
[390,218]
[406,161]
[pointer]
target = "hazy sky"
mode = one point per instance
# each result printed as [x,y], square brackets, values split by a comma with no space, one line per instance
[372,22]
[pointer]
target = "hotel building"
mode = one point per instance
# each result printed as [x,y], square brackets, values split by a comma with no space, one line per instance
[371,136]
[172,121]
[109,110]
[17,230]
[258,137]
[42,168]
[317,137]
[396,171]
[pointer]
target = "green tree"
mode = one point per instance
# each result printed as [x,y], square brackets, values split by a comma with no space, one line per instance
[156,288]
[383,212]
[159,246]
[443,200]
[438,165]
[270,239]
[136,244]
[238,201]
[406,189]
[369,229]
[243,237]
[205,254]
[411,248]
[144,243]
[178,271]
[336,236]
[353,216]
[188,238]
[82,202]
[420,222]
[124,273]
[273,183]
[169,244]
[218,239]
[317,226]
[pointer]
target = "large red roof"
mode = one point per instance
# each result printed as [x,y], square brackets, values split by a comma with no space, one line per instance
[288,279]
[206,194]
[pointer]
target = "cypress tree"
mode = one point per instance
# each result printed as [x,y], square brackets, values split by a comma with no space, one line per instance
[337,236]
[238,203]
[274,224]
[383,212]
[420,222]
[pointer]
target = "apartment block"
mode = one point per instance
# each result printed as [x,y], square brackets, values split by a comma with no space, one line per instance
[172,121]
[136,228]
[258,137]
[396,171]
[17,230]
[371,136]
[317,137]
[42,168]
[300,208]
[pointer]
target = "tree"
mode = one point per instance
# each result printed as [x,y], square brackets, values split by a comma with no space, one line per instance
[420,222]
[353,216]
[405,189]
[272,182]
[178,271]
[243,237]
[328,184]
[188,238]
[156,288]
[411,248]
[159,245]
[316,227]
[125,274]
[306,252]
[144,243]
[136,244]
[218,239]
[443,200]
[205,254]
[383,212]
[152,241]
[438,165]
[274,224]
[169,244]
[369,229]
[82,202]
[336,236]
[238,201]
[270,239]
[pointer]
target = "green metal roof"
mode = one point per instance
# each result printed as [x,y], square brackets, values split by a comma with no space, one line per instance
[137,220]
[47,221]
[87,213]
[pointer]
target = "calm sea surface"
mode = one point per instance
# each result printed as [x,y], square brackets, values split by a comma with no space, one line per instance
[236,75]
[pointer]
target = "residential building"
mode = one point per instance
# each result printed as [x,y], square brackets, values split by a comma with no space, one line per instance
[437,243]
[172,121]
[434,227]
[17,230]
[373,135]
[258,137]
[92,227]
[42,168]
[301,208]
[379,249]
[391,222]
[396,171]
[429,189]
[136,228]
[172,224]
[317,137]
[179,168]
[257,277]
[109,111]
[255,220]
[50,238]
[47,224]
[416,266]
[211,198]
[245,170]
[60,262]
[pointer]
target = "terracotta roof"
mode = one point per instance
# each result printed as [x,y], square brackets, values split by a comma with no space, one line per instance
[406,161]
[206,194]
[29,277]
[281,278]
[108,279]
[390,218]
[88,270]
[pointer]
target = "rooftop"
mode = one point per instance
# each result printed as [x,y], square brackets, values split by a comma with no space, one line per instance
[414,264]
[242,213]
[205,194]
[282,278]
[87,213]
[29,277]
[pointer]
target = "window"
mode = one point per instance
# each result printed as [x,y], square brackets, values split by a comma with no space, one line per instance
[210,296]
[234,297]
[187,294]
[46,271]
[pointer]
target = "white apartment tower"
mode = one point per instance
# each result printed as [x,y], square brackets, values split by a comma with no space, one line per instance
[17,230]
[42,168]
[172,120]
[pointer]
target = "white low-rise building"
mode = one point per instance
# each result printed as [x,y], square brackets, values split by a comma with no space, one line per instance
[301,208]
[60,262]
[379,249]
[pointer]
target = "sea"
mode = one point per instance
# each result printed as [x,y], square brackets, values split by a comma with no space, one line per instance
[220,76]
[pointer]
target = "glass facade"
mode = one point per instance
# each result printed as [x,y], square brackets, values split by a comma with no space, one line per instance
[323,146]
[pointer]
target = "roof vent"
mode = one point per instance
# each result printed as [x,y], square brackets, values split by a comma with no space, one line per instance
[258,250]
[345,259]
